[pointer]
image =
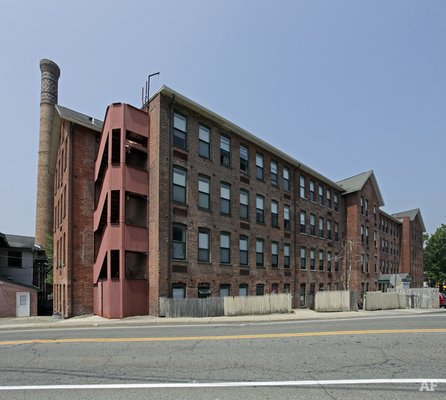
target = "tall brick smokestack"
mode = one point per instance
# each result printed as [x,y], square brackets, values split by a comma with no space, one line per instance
[50,73]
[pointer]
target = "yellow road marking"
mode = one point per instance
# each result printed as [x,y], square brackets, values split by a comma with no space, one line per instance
[226,337]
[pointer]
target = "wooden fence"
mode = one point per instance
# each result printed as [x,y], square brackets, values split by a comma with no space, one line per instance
[210,307]
[219,306]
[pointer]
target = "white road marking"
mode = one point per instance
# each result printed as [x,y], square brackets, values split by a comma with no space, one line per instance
[227,384]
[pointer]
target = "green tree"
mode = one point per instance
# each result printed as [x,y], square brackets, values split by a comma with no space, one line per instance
[435,257]
[49,250]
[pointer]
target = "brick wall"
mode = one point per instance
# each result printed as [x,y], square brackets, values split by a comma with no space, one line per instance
[191,272]
[74,187]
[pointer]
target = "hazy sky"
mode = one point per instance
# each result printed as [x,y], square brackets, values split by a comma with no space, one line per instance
[342,86]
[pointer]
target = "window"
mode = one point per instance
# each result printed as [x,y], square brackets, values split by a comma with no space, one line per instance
[244,159]
[336,262]
[329,236]
[362,233]
[225,248]
[366,206]
[286,218]
[116,148]
[115,206]
[204,139]
[312,224]
[303,258]
[328,198]
[312,197]
[336,202]
[179,242]
[367,235]
[329,261]
[179,185]
[286,179]
[225,151]
[312,259]
[204,290]
[203,245]
[225,290]
[274,168]
[302,187]
[259,253]
[286,288]
[178,291]
[336,229]
[260,289]
[274,288]
[321,260]
[15,259]
[243,244]
[260,213]
[274,214]
[243,289]
[302,294]
[244,204]
[179,131]
[204,192]
[259,166]
[321,195]
[374,213]
[361,202]
[303,217]
[274,254]
[65,201]
[225,198]
[321,227]
[286,255]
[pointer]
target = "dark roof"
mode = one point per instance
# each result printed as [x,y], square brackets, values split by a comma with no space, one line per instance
[79,118]
[8,279]
[391,278]
[390,216]
[17,241]
[411,214]
[181,99]
[357,182]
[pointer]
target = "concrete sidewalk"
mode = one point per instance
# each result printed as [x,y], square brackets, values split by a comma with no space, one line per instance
[296,315]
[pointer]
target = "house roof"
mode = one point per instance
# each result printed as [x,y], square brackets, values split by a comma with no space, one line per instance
[79,118]
[181,99]
[357,182]
[64,113]
[17,241]
[10,280]
[411,214]
[390,216]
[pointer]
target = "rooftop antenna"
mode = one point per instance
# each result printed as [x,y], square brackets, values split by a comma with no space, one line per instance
[145,96]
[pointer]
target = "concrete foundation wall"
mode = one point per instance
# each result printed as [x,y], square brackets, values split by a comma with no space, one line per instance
[252,305]
[334,300]
[384,301]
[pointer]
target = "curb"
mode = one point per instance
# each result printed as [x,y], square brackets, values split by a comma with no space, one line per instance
[67,324]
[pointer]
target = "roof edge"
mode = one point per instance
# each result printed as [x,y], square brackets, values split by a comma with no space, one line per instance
[165,90]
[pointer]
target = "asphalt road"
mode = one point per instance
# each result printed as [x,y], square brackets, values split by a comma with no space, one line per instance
[195,362]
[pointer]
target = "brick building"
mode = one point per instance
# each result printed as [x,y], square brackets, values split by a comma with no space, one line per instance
[75,154]
[183,203]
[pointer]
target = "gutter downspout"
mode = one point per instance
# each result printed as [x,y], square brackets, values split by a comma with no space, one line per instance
[169,219]
[296,258]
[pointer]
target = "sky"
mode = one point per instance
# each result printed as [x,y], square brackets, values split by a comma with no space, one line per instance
[342,86]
